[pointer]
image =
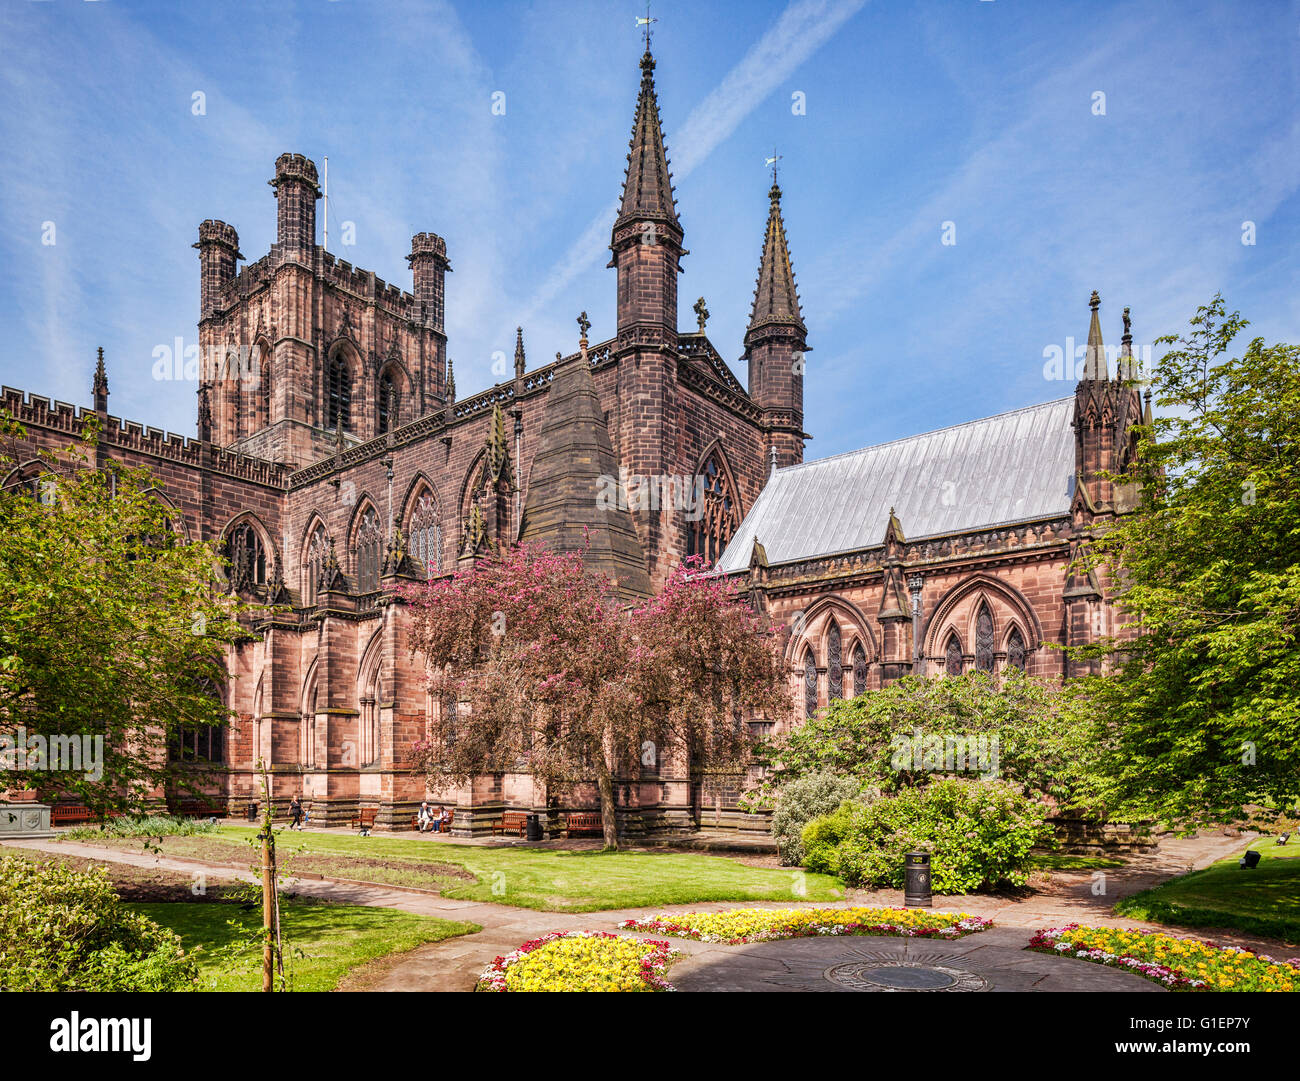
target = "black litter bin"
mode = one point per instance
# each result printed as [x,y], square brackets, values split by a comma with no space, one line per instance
[252,811]
[534,828]
[916,880]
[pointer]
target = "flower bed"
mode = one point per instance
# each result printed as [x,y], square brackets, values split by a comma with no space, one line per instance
[581,961]
[766,924]
[1181,964]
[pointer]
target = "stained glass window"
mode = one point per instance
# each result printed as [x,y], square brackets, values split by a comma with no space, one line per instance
[834,663]
[1016,649]
[810,685]
[859,670]
[426,536]
[984,640]
[953,659]
[317,551]
[711,526]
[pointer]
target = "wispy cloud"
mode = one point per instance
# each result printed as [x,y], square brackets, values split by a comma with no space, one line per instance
[800,30]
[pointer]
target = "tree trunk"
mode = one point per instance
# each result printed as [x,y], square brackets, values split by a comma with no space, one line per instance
[608,819]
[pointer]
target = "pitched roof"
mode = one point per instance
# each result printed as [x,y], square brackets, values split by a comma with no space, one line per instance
[775,298]
[647,185]
[570,473]
[1014,467]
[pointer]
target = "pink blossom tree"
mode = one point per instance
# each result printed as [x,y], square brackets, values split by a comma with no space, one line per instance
[541,668]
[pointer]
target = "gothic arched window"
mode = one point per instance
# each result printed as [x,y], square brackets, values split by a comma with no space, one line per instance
[338,394]
[387,403]
[952,662]
[709,527]
[247,557]
[809,685]
[984,640]
[264,389]
[314,567]
[859,670]
[426,536]
[368,546]
[1016,649]
[834,663]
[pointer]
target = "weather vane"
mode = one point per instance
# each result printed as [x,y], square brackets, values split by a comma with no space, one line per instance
[771,163]
[646,23]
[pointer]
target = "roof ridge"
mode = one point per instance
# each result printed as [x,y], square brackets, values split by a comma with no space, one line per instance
[921,435]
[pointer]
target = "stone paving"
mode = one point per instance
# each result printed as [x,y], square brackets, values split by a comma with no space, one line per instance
[993,960]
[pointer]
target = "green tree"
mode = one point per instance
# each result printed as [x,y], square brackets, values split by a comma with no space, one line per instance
[1201,709]
[1023,730]
[111,625]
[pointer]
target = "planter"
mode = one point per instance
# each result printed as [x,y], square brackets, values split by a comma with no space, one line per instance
[24,819]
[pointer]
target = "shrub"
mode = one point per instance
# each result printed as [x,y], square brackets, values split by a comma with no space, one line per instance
[979,836]
[143,826]
[66,930]
[802,800]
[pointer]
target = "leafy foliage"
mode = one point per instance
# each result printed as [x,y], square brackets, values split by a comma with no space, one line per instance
[1202,708]
[67,930]
[979,835]
[1043,733]
[800,801]
[110,624]
[142,826]
[551,672]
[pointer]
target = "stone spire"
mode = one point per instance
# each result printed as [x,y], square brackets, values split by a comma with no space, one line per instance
[519,352]
[451,383]
[573,502]
[1094,361]
[776,300]
[100,386]
[647,185]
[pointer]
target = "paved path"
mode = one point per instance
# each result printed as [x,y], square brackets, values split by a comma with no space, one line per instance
[996,956]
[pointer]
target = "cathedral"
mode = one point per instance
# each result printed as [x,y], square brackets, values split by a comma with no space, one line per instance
[335,460]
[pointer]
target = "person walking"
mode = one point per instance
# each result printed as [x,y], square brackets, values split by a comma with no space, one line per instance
[295,813]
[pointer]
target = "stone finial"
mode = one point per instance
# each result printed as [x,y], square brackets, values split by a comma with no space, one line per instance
[100,385]
[1094,301]
[701,313]
[519,351]
[451,383]
[584,325]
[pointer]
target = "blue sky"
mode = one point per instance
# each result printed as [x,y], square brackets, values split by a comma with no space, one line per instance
[977,112]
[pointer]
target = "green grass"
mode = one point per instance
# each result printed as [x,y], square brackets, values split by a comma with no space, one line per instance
[545,879]
[323,942]
[1264,901]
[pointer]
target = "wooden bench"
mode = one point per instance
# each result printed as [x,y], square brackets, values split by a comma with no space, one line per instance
[443,827]
[364,820]
[197,808]
[511,822]
[63,813]
[583,822]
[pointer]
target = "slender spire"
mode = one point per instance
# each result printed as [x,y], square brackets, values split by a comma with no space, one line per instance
[775,298]
[519,351]
[100,386]
[451,383]
[1094,362]
[647,185]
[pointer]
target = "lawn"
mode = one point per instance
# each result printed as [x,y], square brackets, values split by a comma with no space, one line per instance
[546,879]
[1264,901]
[323,942]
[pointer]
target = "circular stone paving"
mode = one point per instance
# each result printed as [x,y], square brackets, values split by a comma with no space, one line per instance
[903,976]
[993,960]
